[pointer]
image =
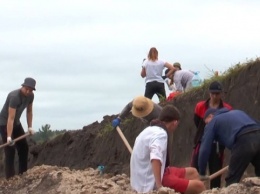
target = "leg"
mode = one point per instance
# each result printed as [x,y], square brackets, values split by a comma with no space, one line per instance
[195,157]
[176,178]
[216,163]
[149,90]
[22,149]
[256,160]
[191,173]
[160,91]
[241,155]
[9,155]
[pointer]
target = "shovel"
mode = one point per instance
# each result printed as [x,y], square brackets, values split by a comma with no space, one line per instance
[214,175]
[15,140]
[124,139]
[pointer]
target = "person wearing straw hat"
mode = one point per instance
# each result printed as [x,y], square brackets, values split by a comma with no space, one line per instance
[141,107]
[149,163]
[10,126]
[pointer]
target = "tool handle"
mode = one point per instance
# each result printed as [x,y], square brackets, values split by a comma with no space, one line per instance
[124,139]
[218,173]
[15,140]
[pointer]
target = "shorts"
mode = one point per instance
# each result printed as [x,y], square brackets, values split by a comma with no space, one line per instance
[175,178]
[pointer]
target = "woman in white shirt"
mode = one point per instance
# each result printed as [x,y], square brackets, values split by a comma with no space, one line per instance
[152,70]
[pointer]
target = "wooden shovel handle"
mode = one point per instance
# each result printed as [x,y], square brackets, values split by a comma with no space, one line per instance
[15,140]
[124,139]
[218,173]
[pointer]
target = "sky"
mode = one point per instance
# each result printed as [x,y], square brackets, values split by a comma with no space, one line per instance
[86,55]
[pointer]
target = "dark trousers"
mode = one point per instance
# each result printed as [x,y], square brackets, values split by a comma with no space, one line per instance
[22,150]
[215,162]
[246,150]
[155,87]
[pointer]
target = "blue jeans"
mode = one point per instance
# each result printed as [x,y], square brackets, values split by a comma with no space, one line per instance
[246,150]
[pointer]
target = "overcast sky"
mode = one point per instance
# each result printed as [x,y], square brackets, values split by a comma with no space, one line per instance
[86,55]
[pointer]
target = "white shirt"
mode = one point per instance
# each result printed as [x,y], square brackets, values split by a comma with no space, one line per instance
[154,70]
[150,144]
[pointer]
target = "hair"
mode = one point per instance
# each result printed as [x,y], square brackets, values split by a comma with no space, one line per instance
[153,54]
[169,113]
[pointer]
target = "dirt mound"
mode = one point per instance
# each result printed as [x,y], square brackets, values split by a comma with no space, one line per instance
[55,180]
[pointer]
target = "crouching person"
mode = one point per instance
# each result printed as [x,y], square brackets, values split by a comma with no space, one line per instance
[149,168]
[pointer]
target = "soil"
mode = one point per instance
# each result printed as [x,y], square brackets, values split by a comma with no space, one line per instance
[68,163]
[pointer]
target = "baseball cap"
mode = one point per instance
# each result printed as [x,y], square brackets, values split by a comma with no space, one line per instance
[215,86]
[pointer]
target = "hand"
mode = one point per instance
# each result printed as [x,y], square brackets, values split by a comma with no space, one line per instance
[31,131]
[204,178]
[116,122]
[10,141]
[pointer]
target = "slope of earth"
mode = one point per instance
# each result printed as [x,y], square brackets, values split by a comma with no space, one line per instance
[99,144]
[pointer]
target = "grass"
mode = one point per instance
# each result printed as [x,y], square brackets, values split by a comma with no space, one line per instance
[106,130]
[232,71]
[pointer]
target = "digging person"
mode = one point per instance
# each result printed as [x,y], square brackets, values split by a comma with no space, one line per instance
[141,107]
[10,126]
[239,133]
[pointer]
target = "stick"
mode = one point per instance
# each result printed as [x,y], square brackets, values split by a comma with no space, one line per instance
[15,140]
[124,139]
[218,173]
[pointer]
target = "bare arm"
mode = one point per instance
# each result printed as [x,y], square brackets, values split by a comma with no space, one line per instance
[143,72]
[10,121]
[29,115]
[156,166]
[171,68]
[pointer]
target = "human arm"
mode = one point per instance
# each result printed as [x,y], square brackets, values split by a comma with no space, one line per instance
[143,72]
[29,116]
[10,121]
[123,114]
[156,167]
[171,69]
[158,152]
[205,147]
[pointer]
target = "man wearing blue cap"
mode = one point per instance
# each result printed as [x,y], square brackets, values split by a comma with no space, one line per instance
[10,126]
[239,133]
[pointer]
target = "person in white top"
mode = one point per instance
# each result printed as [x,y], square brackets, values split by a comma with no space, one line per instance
[149,159]
[152,69]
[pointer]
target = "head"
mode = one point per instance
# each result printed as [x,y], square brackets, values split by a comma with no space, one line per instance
[153,54]
[170,115]
[28,86]
[142,106]
[177,65]
[209,114]
[215,91]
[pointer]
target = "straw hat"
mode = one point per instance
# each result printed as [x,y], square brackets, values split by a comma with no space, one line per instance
[142,106]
